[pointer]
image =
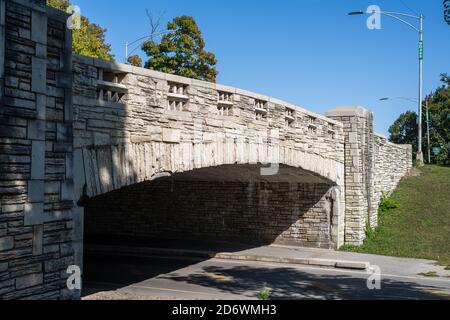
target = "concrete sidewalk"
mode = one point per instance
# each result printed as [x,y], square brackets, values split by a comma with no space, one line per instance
[274,254]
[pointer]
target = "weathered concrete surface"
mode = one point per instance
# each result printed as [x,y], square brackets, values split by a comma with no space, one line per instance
[74,129]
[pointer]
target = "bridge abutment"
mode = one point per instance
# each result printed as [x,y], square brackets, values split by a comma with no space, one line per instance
[373,167]
[39,231]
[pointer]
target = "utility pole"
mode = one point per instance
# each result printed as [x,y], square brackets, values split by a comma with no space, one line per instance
[398,16]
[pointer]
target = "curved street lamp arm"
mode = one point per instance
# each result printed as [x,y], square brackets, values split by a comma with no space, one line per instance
[401,20]
[402,14]
[131,52]
[149,37]
[405,98]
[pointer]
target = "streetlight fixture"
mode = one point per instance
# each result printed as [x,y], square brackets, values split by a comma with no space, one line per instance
[427,115]
[397,16]
[140,40]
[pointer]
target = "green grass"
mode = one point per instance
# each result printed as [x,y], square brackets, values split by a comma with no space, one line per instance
[419,227]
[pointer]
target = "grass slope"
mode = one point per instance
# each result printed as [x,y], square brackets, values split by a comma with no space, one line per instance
[420,226]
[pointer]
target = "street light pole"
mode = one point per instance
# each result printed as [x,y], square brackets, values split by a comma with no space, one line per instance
[419,157]
[397,15]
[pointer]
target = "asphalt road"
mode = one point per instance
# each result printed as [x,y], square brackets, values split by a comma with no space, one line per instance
[186,278]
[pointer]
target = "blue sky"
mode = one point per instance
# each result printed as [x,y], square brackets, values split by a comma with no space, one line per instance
[307,52]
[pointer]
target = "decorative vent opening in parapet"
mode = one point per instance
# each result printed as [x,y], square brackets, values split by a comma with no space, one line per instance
[225,103]
[331,133]
[289,117]
[110,87]
[261,109]
[312,125]
[177,88]
[177,97]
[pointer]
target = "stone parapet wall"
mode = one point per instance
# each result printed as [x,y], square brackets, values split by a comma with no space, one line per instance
[142,113]
[392,163]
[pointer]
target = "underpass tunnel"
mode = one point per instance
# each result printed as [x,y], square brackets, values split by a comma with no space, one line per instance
[225,208]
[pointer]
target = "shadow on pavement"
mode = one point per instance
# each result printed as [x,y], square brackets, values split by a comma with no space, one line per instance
[289,283]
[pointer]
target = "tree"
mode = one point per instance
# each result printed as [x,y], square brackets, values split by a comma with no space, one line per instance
[404,129]
[181,51]
[89,39]
[135,60]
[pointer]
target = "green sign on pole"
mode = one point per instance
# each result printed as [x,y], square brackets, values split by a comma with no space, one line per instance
[436,150]
[420,50]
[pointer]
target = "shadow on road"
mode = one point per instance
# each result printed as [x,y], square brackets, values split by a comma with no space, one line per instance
[288,283]
[111,272]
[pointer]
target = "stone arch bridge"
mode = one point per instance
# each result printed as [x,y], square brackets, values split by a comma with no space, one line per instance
[99,148]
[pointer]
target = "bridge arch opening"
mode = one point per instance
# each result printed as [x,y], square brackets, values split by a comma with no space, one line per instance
[228,207]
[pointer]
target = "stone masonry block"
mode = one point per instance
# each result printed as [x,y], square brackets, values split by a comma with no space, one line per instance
[35,191]
[101,139]
[34,214]
[39,27]
[6,243]
[36,130]
[67,191]
[38,160]
[41,103]
[171,135]
[39,75]
[38,235]
[29,281]
[3,266]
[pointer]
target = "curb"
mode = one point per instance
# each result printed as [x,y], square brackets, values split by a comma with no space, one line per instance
[144,251]
[339,264]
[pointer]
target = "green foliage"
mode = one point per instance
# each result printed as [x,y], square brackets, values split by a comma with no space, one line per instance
[370,233]
[89,40]
[181,51]
[387,203]
[264,294]
[135,61]
[404,129]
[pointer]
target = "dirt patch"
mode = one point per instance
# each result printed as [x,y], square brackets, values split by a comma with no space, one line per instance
[414,172]
[117,295]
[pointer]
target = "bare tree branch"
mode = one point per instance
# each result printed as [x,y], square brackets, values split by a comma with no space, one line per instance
[155,22]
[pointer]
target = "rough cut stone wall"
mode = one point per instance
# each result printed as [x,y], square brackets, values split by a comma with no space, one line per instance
[36,226]
[392,163]
[244,212]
